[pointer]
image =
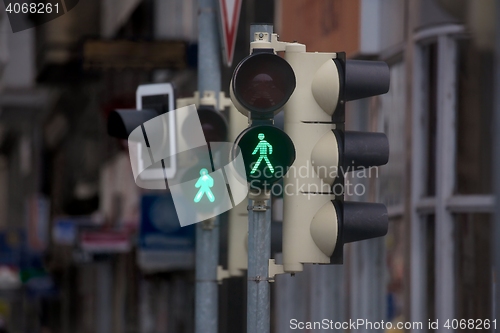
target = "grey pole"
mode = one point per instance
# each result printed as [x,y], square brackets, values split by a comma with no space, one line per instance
[259,252]
[207,232]
[496,165]
[259,246]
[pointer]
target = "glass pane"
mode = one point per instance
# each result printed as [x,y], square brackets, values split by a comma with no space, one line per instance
[430,222]
[474,269]
[430,111]
[474,131]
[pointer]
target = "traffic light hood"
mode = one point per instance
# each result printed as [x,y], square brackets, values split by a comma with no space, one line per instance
[364,78]
[122,122]
[357,79]
[363,220]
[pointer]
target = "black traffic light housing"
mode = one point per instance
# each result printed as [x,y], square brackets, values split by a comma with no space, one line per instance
[122,122]
[261,85]
[358,150]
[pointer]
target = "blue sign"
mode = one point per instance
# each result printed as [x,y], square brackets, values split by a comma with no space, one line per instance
[14,250]
[12,247]
[163,243]
[64,231]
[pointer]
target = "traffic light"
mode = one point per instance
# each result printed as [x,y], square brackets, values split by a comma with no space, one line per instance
[261,85]
[206,177]
[152,100]
[237,234]
[317,222]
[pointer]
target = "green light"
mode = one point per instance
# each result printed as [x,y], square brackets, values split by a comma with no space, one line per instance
[262,147]
[266,162]
[204,183]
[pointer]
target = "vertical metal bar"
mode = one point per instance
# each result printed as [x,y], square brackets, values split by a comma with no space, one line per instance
[207,232]
[445,179]
[259,252]
[103,295]
[208,48]
[418,259]
[496,175]
[207,256]
[292,299]
[327,295]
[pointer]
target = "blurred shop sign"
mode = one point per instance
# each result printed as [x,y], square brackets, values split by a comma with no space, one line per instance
[38,282]
[64,232]
[65,228]
[12,244]
[163,244]
[105,241]
[126,54]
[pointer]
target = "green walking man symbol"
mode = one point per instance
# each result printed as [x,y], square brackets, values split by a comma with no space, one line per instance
[204,183]
[262,147]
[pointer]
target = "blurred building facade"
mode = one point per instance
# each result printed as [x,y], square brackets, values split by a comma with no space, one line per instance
[70,211]
[436,261]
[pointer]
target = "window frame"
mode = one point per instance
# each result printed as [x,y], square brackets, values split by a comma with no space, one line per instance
[446,202]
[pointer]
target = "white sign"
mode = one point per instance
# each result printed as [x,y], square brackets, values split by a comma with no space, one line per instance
[155,96]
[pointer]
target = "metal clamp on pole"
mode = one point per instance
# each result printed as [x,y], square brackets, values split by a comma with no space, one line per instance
[274,269]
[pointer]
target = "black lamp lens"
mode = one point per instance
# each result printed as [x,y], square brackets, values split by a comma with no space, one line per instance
[263,82]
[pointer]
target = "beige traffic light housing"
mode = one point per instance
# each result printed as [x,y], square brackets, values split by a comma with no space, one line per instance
[309,221]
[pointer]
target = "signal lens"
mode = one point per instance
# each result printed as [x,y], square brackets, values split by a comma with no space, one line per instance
[263,82]
[212,122]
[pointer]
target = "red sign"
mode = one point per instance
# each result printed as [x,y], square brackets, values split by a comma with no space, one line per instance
[105,241]
[230,16]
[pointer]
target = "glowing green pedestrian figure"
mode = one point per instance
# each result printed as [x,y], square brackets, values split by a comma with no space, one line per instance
[262,147]
[204,183]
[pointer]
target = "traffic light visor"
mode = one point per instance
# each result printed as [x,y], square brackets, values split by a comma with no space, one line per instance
[122,122]
[263,82]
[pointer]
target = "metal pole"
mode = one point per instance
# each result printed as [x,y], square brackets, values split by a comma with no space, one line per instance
[207,256]
[259,252]
[496,176]
[207,232]
[259,246]
[208,48]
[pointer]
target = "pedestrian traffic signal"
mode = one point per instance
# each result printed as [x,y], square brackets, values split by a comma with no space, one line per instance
[204,183]
[317,222]
[267,152]
[204,187]
[261,85]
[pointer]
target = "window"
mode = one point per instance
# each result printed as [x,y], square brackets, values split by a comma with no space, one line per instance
[450,199]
